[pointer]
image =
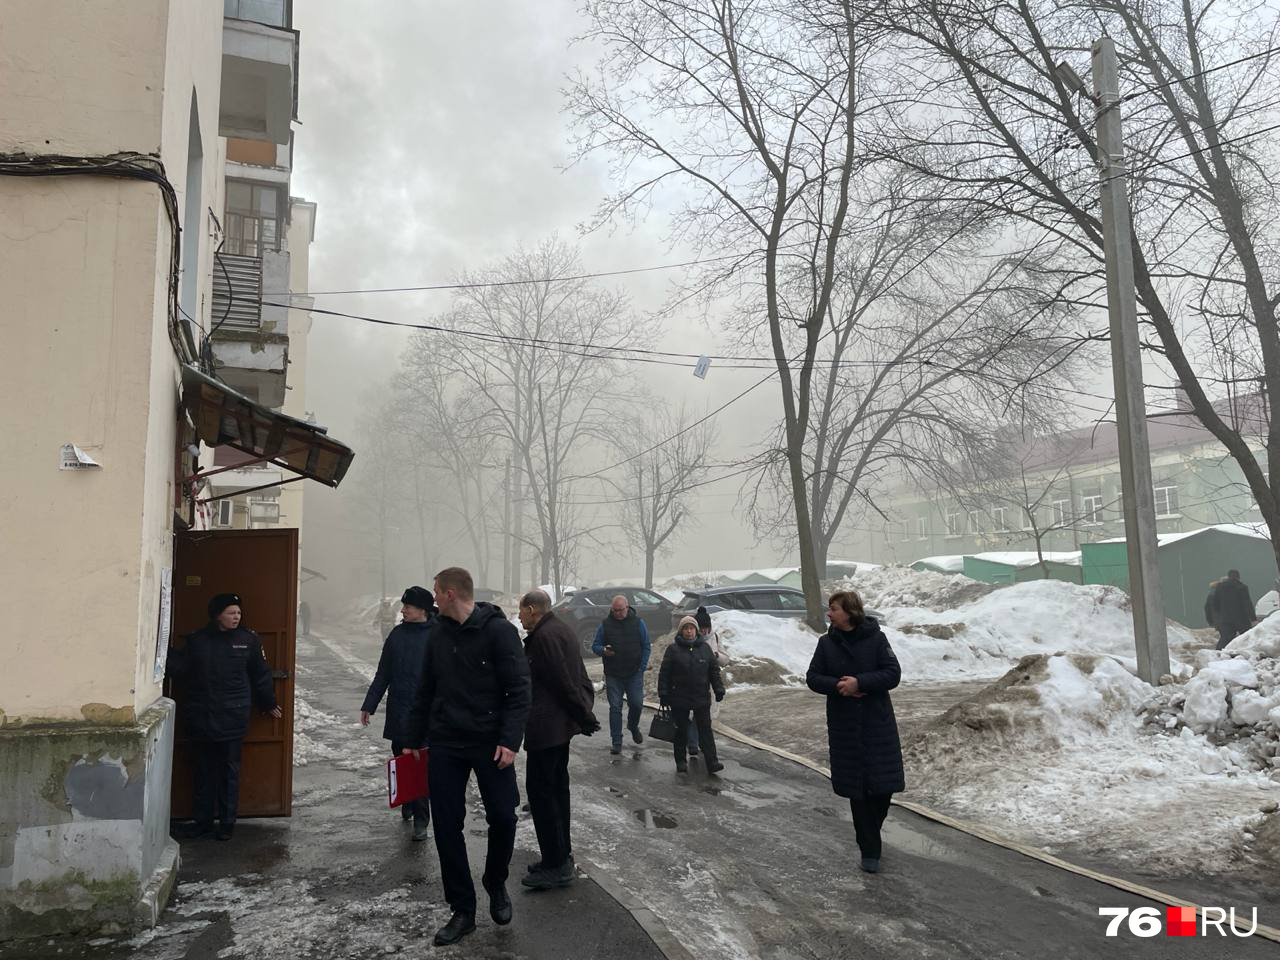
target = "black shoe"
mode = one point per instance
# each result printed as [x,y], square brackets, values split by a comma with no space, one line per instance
[693,751]
[871,864]
[193,831]
[545,879]
[715,766]
[406,812]
[682,767]
[500,906]
[459,925]
[421,829]
[636,735]
[535,867]
[616,749]
[225,830]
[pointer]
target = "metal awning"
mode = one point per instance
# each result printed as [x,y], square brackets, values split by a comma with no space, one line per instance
[223,416]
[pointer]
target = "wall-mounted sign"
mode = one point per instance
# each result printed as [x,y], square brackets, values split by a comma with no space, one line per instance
[73,458]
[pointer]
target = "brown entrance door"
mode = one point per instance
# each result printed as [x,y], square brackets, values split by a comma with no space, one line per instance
[262,567]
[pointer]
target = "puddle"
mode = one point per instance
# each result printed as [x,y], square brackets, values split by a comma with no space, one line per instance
[909,841]
[653,820]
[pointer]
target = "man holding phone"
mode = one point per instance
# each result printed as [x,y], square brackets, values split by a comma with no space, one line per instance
[622,641]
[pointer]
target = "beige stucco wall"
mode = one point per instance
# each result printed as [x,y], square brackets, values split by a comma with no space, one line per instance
[83,267]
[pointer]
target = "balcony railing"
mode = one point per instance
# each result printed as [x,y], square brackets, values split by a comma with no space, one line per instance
[237,292]
[273,13]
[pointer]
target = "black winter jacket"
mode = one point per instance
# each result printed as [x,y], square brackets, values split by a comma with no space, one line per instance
[474,691]
[689,674]
[1229,604]
[862,733]
[563,695]
[399,668]
[220,674]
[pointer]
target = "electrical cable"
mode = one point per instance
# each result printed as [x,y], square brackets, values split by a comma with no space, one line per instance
[1200,73]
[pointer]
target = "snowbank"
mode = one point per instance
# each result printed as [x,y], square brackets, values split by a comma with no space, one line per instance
[788,643]
[1070,750]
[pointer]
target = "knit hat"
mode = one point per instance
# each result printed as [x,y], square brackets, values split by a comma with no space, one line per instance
[419,597]
[221,602]
[687,621]
[703,618]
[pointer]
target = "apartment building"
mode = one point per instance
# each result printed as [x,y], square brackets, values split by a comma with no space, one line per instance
[142,147]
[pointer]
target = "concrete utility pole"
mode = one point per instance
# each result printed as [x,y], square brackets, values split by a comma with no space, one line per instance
[1137,493]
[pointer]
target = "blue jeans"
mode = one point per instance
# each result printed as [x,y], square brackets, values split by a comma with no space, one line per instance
[633,688]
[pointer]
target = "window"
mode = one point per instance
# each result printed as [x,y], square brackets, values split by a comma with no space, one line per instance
[975,521]
[1166,501]
[1028,519]
[954,525]
[922,528]
[223,511]
[1091,507]
[643,598]
[791,601]
[1061,512]
[998,520]
[906,531]
[253,218]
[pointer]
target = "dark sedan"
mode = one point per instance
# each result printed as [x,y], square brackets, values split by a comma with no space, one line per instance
[584,610]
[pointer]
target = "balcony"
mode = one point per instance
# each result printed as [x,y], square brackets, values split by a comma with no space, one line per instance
[259,70]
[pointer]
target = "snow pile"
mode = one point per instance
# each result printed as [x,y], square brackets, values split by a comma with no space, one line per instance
[890,587]
[788,643]
[1071,750]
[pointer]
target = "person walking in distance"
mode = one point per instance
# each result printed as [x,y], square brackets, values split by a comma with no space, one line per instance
[686,680]
[1229,608]
[712,640]
[399,668]
[222,671]
[563,698]
[471,706]
[855,668]
[622,641]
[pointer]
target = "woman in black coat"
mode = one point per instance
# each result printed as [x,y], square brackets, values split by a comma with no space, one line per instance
[688,678]
[854,668]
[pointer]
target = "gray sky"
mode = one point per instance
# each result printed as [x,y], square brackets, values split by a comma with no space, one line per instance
[432,140]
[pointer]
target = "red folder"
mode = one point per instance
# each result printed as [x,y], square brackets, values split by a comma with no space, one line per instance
[406,778]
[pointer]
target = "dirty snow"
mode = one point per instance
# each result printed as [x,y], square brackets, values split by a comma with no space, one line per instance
[1070,750]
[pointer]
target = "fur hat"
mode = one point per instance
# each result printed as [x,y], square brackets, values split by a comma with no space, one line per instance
[419,597]
[687,621]
[221,602]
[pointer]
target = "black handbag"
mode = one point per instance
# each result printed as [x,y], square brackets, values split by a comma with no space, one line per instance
[662,727]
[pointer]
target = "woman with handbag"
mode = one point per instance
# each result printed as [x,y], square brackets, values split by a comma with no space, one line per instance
[712,640]
[854,667]
[689,675]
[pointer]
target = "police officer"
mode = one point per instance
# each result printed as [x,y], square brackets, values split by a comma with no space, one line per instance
[222,670]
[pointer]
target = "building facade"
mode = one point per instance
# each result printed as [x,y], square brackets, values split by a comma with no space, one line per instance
[140,144]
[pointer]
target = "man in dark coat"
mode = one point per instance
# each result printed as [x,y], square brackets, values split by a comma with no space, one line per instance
[622,640]
[854,668]
[563,699]
[689,675]
[471,706]
[398,670]
[1229,608]
[222,671]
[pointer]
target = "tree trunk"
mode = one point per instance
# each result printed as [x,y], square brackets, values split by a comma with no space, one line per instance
[648,569]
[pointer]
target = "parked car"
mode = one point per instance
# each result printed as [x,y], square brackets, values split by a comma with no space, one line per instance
[584,610]
[772,601]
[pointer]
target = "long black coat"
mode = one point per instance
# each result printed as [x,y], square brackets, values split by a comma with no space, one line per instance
[398,670]
[862,733]
[563,695]
[689,674]
[474,691]
[222,673]
[1229,605]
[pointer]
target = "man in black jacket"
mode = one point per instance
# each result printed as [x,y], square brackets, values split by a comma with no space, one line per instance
[398,670]
[1229,608]
[471,706]
[563,698]
[221,670]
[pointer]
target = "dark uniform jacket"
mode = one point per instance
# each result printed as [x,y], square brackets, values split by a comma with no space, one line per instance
[563,695]
[399,668]
[688,674]
[1229,605]
[474,693]
[862,733]
[222,673]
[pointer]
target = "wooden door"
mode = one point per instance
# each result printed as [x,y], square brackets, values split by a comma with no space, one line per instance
[262,567]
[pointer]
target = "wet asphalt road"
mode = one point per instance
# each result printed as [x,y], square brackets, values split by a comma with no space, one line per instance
[758,862]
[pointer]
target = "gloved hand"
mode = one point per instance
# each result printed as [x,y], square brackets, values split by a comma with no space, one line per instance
[664,705]
[719,697]
[590,725]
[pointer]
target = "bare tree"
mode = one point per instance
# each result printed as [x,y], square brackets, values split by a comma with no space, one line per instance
[1003,134]
[658,478]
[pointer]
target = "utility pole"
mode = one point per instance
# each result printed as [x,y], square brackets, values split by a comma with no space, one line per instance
[1137,493]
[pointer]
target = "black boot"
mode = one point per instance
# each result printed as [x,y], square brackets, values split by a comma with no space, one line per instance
[500,906]
[459,925]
